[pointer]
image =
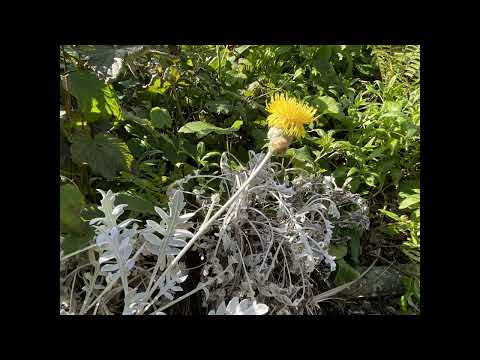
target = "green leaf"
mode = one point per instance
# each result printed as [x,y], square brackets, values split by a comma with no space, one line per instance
[345,273]
[159,87]
[370,180]
[90,212]
[355,246]
[339,251]
[241,49]
[352,171]
[324,52]
[95,98]
[169,148]
[340,172]
[326,105]
[135,203]
[410,201]
[200,149]
[71,204]
[396,175]
[77,241]
[302,154]
[236,125]
[298,73]
[201,128]
[219,106]
[393,145]
[390,214]
[160,118]
[259,137]
[105,154]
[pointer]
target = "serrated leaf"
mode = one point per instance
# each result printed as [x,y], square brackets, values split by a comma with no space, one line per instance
[172,235]
[160,118]
[105,154]
[95,98]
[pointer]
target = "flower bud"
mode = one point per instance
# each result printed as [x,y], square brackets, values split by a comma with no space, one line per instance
[278,141]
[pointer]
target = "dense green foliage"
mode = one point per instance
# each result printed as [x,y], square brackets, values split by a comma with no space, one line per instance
[136,118]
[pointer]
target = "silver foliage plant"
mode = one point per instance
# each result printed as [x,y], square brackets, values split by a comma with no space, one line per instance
[244,307]
[267,253]
[268,244]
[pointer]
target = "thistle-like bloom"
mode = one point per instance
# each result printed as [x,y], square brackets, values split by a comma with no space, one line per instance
[289,115]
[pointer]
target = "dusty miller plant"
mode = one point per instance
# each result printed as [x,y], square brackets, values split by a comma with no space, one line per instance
[272,244]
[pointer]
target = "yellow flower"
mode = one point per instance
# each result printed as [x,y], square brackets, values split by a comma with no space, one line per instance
[289,115]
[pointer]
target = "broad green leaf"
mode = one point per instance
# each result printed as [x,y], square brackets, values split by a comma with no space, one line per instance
[385,165]
[409,201]
[77,241]
[339,251]
[393,145]
[396,175]
[326,105]
[352,171]
[71,204]
[370,180]
[259,137]
[355,247]
[298,73]
[169,148]
[135,203]
[105,154]
[390,214]
[201,128]
[370,143]
[324,52]
[302,154]
[132,117]
[211,154]
[241,49]
[407,186]
[90,212]
[160,118]
[136,147]
[236,125]
[95,98]
[391,107]
[219,106]
[200,149]
[340,172]
[345,273]
[159,87]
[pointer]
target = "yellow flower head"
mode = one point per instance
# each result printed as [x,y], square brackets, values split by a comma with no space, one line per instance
[289,115]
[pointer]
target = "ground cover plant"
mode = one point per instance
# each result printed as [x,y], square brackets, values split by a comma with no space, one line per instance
[239,179]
